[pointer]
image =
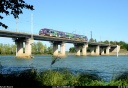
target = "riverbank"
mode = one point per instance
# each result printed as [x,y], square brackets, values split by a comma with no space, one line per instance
[59,78]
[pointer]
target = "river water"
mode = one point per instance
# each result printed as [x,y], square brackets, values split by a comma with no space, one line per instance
[105,66]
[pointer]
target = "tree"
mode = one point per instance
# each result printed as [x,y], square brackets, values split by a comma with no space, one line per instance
[72,50]
[13,49]
[40,47]
[13,7]
[45,49]
[50,49]
[106,42]
[34,48]
[126,46]
[111,42]
[122,43]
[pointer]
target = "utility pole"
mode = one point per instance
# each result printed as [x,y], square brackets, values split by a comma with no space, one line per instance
[91,36]
[32,26]
[16,24]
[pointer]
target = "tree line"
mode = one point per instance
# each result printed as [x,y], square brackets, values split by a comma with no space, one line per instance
[37,48]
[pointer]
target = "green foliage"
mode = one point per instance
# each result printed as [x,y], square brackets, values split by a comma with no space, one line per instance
[48,78]
[87,79]
[59,78]
[53,78]
[50,50]
[7,49]
[34,48]
[39,48]
[125,46]
[66,78]
[106,42]
[72,50]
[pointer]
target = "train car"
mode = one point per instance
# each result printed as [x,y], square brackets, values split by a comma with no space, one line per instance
[44,31]
[83,38]
[48,32]
[77,37]
[80,37]
[53,33]
[61,34]
[69,35]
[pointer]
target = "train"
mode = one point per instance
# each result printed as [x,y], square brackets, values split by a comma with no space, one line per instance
[60,34]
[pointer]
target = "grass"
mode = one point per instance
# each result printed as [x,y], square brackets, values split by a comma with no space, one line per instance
[59,78]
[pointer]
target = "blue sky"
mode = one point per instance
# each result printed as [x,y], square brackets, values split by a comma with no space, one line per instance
[107,19]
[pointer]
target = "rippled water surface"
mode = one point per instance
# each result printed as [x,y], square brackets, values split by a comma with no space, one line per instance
[105,66]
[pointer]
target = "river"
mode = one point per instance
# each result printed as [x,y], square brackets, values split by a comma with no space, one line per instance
[105,66]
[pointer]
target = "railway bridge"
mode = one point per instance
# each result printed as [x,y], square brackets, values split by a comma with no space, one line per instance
[19,38]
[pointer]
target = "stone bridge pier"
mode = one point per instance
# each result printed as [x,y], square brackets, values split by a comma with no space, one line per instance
[62,49]
[97,50]
[82,47]
[19,50]
[101,51]
[77,47]
[105,50]
[94,50]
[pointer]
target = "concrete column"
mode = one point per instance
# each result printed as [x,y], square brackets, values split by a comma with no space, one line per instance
[55,49]
[28,47]
[107,50]
[84,49]
[62,49]
[102,51]
[19,50]
[98,50]
[92,50]
[77,50]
